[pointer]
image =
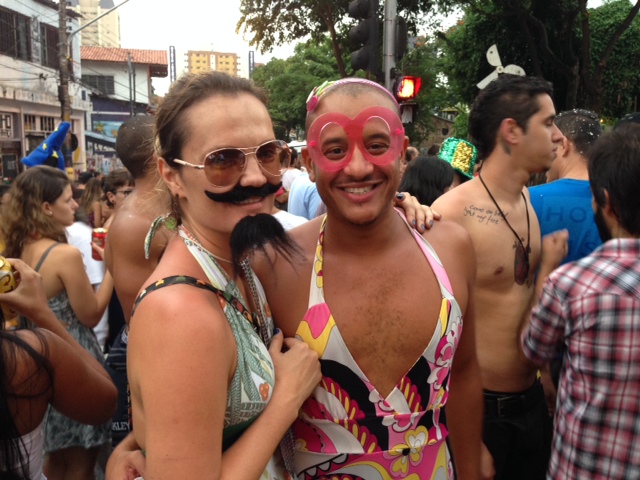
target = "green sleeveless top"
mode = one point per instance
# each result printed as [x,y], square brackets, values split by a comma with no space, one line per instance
[253,381]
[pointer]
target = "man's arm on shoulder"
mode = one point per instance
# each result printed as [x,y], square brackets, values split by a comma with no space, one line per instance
[465,405]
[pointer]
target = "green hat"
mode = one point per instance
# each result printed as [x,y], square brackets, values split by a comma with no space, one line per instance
[461,154]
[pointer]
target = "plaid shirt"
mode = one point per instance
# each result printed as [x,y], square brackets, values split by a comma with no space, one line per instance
[591,308]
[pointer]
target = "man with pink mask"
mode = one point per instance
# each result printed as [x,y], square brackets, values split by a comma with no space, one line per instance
[386,308]
[382,305]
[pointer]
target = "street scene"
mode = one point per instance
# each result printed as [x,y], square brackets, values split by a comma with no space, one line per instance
[319,239]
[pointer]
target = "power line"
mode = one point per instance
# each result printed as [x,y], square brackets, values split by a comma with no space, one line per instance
[54,16]
[114,80]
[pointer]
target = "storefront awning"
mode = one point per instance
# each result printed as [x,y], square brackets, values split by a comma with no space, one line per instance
[97,138]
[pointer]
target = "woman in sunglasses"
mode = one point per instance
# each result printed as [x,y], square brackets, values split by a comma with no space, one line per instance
[203,356]
[205,403]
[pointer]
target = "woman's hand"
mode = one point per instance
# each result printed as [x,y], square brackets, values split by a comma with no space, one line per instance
[297,369]
[126,462]
[418,215]
[98,249]
[29,297]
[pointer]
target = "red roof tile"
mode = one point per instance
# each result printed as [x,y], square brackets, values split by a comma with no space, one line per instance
[120,55]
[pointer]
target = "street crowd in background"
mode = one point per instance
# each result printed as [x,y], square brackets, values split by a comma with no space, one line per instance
[258,312]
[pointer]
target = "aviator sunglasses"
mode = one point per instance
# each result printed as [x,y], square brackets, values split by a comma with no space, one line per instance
[223,167]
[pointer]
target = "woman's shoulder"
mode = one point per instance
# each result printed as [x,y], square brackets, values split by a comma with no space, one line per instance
[46,250]
[32,353]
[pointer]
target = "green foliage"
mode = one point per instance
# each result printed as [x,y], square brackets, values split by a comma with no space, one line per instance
[288,83]
[421,62]
[461,125]
[546,39]
[269,23]
[622,80]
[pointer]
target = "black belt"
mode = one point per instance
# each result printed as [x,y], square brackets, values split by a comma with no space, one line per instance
[509,404]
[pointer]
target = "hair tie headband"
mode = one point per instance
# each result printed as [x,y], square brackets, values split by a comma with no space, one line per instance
[314,97]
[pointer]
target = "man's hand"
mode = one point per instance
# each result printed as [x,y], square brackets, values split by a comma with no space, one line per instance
[555,247]
[487,469]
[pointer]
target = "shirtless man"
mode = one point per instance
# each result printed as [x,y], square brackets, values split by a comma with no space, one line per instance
[370,293]
[124,250]
[512,124]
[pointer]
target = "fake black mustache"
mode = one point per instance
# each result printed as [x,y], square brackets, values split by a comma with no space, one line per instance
[240,194]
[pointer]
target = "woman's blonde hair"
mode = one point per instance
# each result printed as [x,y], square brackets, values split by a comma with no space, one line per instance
[23,217]
[92,193]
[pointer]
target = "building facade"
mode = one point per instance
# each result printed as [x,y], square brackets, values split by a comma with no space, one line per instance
[104,32]
[204,61]
[120,83]
[29,106]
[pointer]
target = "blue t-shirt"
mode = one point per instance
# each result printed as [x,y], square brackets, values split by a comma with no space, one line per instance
[304,199]
[566,203]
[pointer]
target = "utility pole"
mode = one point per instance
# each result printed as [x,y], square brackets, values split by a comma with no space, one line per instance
[388,41]
[63,89]
[131,87]
[66,52]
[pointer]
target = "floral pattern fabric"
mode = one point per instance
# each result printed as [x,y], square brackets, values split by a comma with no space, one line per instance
[252,384]
[61,432]
[346,429]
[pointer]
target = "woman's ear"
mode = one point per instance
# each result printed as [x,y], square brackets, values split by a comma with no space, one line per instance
[110,196]
[46,208]
[170,177]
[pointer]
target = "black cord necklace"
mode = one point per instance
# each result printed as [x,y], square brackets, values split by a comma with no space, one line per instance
[521,262]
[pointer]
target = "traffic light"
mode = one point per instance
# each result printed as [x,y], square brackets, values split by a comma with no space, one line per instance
[407,88]
[364,37]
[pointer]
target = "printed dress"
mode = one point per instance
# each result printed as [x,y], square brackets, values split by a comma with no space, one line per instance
[60,431]
[346,430]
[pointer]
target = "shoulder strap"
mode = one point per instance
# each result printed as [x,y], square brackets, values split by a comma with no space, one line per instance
[44,256]
[194,282]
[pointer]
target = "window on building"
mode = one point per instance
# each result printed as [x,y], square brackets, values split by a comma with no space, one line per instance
[49,46]
[15,36]
[47,124]
[103,83]
[30,123]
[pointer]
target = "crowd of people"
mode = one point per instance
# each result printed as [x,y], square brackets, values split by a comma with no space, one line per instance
[363,340]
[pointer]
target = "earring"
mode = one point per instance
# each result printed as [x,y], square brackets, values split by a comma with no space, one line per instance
[49,213]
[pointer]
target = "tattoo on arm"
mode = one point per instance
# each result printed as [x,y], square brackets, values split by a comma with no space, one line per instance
[483,215]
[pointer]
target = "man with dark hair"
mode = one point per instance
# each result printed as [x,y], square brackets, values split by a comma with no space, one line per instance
[124,250]
[565,202]
[591,308]
[390,315]
[512,125]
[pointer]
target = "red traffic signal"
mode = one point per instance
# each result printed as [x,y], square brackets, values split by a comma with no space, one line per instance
[407,88]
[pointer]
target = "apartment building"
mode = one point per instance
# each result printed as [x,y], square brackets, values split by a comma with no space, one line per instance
[203,61]
[104,32]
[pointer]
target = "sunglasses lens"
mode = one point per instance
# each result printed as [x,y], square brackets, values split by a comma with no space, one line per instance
[272,156]
[223,167]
